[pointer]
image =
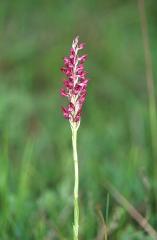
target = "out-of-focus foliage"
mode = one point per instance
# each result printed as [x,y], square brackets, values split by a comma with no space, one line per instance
[36,168]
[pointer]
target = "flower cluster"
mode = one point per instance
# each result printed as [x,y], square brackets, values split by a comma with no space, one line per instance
[75,85]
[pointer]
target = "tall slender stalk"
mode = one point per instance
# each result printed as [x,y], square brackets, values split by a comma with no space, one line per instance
[75,90]
[76,184]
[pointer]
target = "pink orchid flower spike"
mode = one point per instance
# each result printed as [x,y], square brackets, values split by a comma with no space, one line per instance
[75,84]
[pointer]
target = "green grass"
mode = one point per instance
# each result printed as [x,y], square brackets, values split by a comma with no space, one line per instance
[114,140]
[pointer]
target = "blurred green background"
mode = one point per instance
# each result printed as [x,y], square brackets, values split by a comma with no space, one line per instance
[115,141]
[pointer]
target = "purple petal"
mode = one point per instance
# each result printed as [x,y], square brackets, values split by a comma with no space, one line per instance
[71,107]
[63,93]
[68,84]
[83,58]
[81,46]
[65,113]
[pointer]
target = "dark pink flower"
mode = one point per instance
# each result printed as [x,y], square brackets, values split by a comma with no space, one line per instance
[75,86]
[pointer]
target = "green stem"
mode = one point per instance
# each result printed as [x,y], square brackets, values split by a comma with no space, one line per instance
[76,184]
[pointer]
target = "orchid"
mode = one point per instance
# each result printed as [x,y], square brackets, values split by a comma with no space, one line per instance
[75,90]
[75,85]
